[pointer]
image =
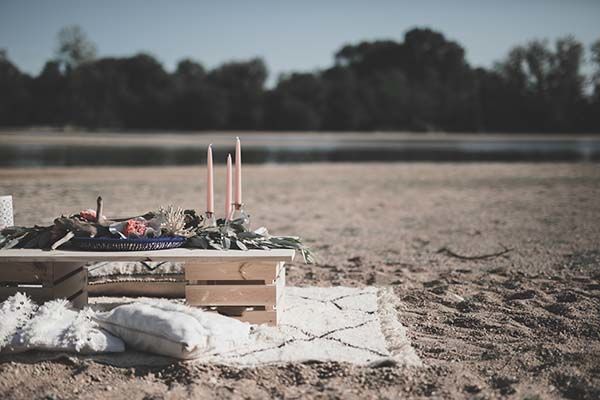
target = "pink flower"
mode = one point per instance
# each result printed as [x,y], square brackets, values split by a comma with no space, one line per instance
[134,227]
[88,215]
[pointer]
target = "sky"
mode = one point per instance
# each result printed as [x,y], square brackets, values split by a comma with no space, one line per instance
[289,35]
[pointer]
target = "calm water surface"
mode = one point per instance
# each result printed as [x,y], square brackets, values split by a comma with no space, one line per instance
[303,148]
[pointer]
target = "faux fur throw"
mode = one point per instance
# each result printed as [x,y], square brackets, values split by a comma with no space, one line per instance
[14,313]
[53,326]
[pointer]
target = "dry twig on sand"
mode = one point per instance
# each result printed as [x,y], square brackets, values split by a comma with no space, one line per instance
[445,250]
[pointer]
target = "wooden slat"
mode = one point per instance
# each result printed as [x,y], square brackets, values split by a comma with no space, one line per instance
[37,294]
[71,285]
[61,269]
[230,295]
[171,289]
[80,300]
[265,271]
[259,317]
[280,284]
[233,311]
[26,272]
[174,255]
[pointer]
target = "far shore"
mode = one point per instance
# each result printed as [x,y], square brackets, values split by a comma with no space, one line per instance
[50,136]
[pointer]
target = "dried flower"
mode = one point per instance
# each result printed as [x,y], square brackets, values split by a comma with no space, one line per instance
[173,222]
[134,227]
[88,215]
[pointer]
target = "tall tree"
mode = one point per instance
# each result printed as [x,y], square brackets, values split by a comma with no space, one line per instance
[73,47]
[243,84]
[545,86]
[198,103]
[15,98]
[593,115]
[50,95]
[296,103]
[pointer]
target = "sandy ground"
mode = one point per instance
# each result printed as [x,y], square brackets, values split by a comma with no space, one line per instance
[523,324]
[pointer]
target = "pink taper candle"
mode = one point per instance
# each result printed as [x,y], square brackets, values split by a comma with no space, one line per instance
[238,172]
[210,196]
[228,189]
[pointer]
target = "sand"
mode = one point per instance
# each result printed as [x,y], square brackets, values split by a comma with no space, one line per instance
[524,323]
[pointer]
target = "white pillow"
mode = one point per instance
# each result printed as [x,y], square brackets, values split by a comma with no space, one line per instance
[54,326]
[174,330]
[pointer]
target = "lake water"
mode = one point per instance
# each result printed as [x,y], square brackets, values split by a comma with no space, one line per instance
[303,148]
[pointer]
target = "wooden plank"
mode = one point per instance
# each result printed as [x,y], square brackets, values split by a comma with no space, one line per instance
[37,294]
[259,317]
[26,272]
[170,289]
[62,269]
[80,299]
[280,283]
[230,295]
[71,285]
[232,311]
[174,255]
[264,271]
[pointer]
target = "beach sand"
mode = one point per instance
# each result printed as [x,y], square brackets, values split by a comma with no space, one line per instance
[497,266]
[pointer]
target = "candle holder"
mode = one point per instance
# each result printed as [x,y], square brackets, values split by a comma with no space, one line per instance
[6,212]
[239,216]
[210,220]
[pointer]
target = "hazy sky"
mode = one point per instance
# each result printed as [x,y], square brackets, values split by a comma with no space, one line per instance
[289,35]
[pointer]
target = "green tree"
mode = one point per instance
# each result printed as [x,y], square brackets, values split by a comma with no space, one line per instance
[243,84]
[296,103]
[15,97]
[74,48]
[198,104]
[545,85]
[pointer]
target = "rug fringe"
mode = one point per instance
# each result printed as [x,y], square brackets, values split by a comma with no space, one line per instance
[398,343]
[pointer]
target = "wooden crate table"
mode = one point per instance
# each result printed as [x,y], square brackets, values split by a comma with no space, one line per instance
[247,285]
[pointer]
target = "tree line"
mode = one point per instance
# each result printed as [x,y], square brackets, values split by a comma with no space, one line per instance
[422,83]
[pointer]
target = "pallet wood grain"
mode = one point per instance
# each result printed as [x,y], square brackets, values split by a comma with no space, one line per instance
[260,317]
[44,281]
[37,294]
[71,285]
[80,299]
[174,255]
[25,272]
[231,295]
[265,271]
[168,289]
[257,301]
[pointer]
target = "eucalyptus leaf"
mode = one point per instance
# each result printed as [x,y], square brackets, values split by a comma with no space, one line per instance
[198,242]
[226,243]
[240,245]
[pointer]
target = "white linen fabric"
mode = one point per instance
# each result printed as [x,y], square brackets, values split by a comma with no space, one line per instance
[162,327]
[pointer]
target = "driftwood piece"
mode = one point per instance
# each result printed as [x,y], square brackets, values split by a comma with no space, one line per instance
[100,220]
[79,228]
[62,240]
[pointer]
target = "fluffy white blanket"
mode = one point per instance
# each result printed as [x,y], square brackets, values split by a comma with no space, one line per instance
[53,326]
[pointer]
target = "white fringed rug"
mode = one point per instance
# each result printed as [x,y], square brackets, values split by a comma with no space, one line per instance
[355,325]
